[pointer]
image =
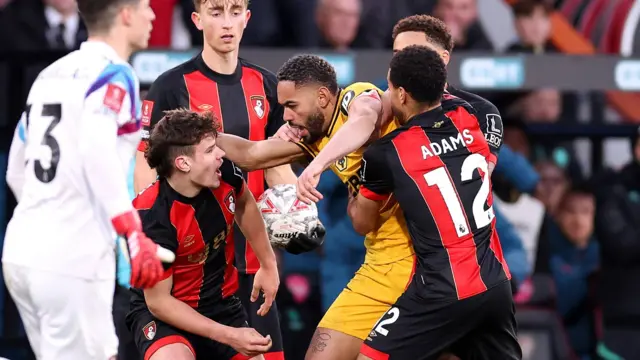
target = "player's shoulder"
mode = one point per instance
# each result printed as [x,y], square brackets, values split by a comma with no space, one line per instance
[482,105]
[175,75]
[358,88]
[147,198]
[267,75]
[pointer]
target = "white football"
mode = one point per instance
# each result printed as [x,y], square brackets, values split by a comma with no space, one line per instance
[284,215]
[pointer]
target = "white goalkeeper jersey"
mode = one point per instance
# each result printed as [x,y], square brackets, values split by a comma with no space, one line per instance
[68,164]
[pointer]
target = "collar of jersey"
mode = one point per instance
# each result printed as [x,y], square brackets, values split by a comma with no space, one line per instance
[227,79]
[102,48]
[426,118]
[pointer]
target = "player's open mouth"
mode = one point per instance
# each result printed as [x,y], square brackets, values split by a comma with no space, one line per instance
[218,173]
[227,38]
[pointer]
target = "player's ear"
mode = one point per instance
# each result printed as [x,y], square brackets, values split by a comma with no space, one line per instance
[323,97]
[126,15]
[182,164]
[402,95]
[197,21]
[446,56]
[247,17]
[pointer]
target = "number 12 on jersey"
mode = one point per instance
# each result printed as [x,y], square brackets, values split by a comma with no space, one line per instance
[440,177]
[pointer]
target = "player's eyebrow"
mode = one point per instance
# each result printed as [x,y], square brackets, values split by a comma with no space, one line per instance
[289,103]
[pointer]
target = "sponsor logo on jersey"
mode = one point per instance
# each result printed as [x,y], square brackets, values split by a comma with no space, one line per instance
[205,107]
[230,202]
[150,330]
[341,164]
[188,241]
[346,101]
[199,257]
[494,134]
[147,109]
[114,97]
[257,103]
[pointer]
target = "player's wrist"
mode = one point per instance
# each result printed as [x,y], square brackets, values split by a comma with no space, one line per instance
[127,223]
[221,333]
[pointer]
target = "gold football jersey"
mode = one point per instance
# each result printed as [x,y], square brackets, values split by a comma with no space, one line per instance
[391,240]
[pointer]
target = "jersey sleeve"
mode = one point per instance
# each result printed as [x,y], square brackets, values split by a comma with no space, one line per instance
[109,112]
[159,231]
[16,162]
[232,175]
[375,174]
[276,111]
[158,100]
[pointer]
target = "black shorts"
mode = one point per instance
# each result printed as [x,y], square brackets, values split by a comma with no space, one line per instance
[480,327]
[265,325]
[151,334]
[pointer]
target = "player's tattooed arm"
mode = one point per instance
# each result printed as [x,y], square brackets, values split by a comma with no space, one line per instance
[256,155]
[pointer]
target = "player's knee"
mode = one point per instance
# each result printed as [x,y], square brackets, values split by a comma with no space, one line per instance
[176,351]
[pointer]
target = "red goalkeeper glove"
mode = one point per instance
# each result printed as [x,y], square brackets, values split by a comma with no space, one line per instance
[144,254]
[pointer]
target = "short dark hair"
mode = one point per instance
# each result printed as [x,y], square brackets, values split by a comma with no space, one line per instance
[420,71]
[98,15]
[433,28]
[581,188]
[309,69]
[176,134]
[198,3]
[525,8]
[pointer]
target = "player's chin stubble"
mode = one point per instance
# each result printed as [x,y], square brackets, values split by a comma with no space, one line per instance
[315,123]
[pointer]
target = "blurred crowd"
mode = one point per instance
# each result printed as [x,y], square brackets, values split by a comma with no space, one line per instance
[568,228]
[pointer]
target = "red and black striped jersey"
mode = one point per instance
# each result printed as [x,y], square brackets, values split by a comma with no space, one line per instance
[245,103]
[200,231]
[436,166]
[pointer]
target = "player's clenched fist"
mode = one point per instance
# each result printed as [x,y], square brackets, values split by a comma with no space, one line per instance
[145,255]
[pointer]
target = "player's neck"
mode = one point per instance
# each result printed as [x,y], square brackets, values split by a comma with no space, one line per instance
[418,109]
[183,186]
[122,48]
[222,63]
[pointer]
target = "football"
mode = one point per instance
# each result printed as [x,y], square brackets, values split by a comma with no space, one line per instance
[284,215]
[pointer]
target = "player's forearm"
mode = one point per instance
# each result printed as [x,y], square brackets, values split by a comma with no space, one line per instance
[282,174]
[351,137]
[257,155]
[182,316]
[143,175]
[250,221]
[363,214]
[102,167]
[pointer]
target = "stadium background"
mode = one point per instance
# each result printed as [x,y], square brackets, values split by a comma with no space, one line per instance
[571,120]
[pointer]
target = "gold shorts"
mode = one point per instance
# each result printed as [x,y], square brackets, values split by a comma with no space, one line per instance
[369,294]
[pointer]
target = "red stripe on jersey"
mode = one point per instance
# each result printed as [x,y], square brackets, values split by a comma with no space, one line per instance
[258,111]
[203,95]
[462,120]
[372,195]
[187,280]
[461,250]
[147,197]
[225,195]
[372,353]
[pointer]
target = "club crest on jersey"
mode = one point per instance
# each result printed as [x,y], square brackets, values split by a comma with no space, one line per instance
[189,240]
[257,103]
[341,164]
[114,97]
[147,109]
[230,202]
[150,330]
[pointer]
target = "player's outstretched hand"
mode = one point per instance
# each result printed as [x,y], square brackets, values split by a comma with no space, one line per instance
[307,183]
[287,133]
[249,342]
[306,242]
[267,281]
[144,255]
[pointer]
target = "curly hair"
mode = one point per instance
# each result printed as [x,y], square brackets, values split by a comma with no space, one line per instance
[198,3]
[176,134]
[420,71]
[309,69]
[434,29]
